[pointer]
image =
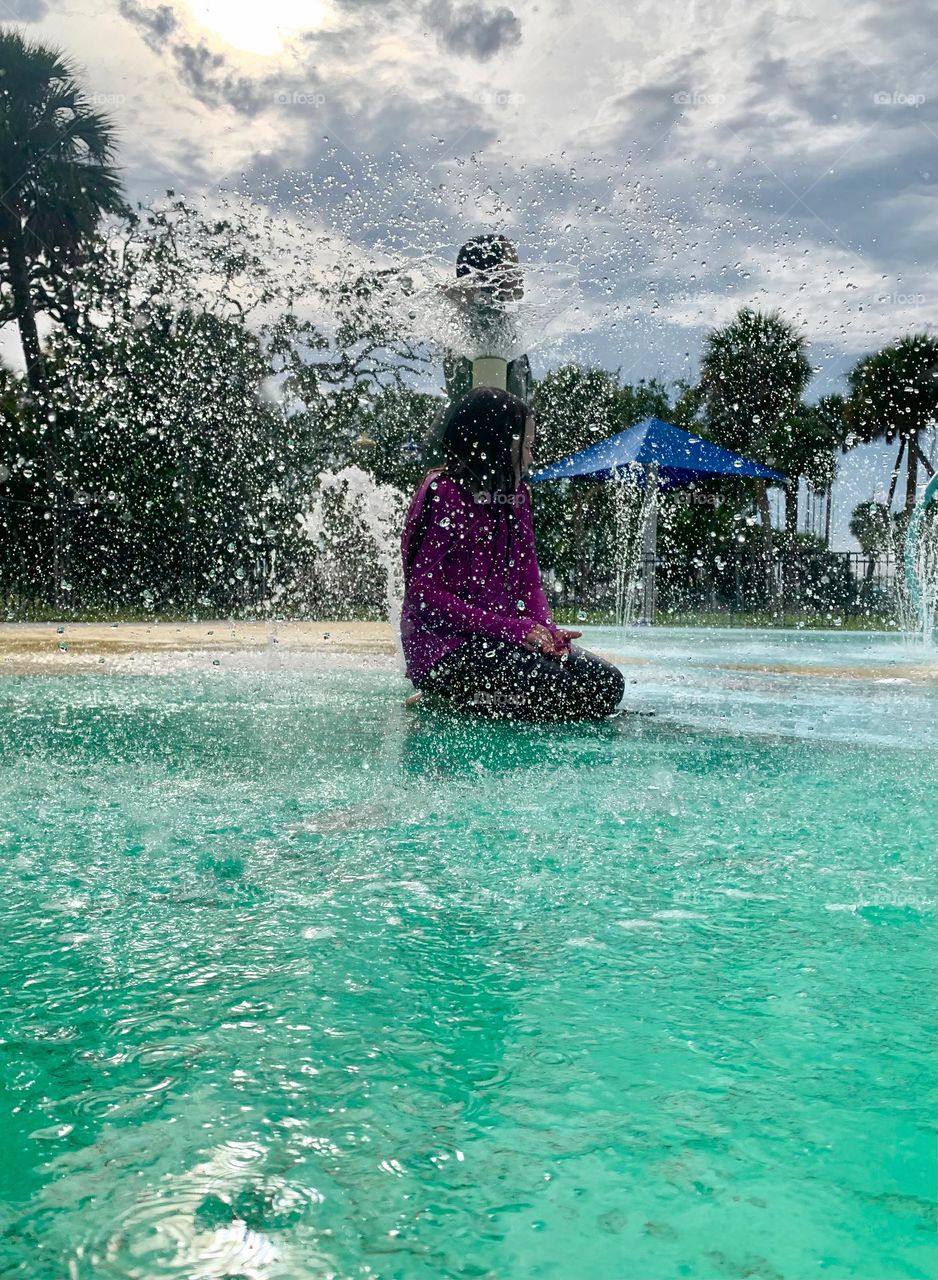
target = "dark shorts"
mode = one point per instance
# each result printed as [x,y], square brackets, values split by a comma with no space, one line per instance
[505,682]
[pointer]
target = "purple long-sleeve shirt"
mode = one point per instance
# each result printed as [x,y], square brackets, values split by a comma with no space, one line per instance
[470,568]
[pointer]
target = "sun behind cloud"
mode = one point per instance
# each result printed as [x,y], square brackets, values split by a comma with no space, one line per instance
[259,28]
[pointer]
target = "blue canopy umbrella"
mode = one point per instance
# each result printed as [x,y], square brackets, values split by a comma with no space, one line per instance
[678,457]
[673,456]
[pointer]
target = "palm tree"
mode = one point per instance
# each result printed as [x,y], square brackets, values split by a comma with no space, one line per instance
[753,374]
[56,182]
[869,524]
[894,397]
[804,446]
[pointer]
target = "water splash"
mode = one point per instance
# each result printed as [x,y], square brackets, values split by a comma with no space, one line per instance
[921,565]
[443,314]
[635,504]
[378,510]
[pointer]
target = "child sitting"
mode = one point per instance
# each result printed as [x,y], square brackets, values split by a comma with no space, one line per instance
[476,628]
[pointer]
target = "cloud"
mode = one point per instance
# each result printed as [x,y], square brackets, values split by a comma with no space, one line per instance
[471,30]
[647,113]
[722,154]
[25,10]
[211,78]
[157,24]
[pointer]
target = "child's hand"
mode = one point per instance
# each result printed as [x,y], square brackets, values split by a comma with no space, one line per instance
[541,639]
[554,641]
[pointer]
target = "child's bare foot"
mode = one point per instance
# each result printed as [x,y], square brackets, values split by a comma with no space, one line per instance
[412,700]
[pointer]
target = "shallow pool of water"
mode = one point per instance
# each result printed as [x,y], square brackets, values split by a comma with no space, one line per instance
[848,687]
[299,984]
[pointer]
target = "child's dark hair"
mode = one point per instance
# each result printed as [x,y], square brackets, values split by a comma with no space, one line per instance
[483,253]
[478,441]
[493,260]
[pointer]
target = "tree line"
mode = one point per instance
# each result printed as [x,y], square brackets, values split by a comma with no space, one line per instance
[175,407]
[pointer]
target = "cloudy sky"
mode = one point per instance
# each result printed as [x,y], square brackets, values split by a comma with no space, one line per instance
[659,164]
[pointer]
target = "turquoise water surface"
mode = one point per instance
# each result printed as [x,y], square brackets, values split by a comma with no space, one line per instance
[300,984]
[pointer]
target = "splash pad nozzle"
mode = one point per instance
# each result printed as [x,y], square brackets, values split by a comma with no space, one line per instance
[490,371]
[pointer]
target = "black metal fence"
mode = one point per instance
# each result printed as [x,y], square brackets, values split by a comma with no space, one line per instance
[813,584]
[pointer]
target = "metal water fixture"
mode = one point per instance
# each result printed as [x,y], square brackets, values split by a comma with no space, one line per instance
[490,371]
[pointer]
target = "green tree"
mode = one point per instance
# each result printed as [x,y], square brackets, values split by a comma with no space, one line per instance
[643,400]
[332,380]
[172,459]
[192,435]
[869,524]
[805,446]
[685,411]
[574,407]
[894,397]
[22,527]
[393,425]
[754,372]
[182,475]
[57,180]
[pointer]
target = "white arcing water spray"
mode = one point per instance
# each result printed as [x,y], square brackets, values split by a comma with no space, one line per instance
[379,510]
[921,565]
[633,507]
